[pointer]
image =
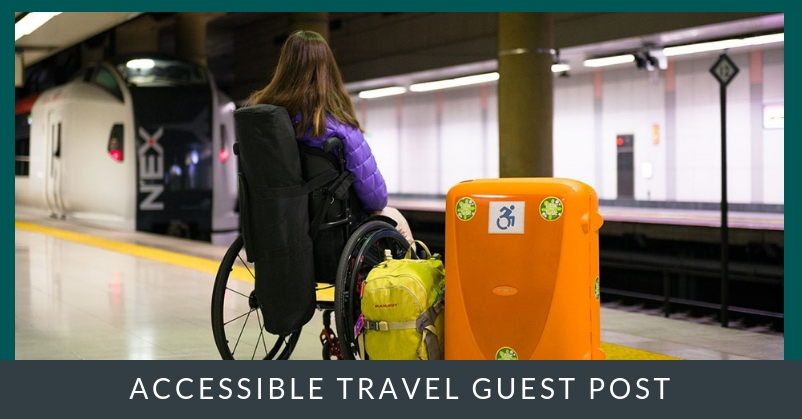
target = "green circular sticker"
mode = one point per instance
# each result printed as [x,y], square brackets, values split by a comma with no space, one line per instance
[466,208]
[551,208]
[597,289]
[506,354]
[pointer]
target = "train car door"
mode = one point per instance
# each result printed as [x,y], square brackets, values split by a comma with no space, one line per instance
[625,145]
[53,157]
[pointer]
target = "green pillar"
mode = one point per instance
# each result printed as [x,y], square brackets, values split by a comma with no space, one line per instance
[311,21]
[525,94]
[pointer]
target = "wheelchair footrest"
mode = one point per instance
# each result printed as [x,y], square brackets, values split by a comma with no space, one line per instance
[331,345]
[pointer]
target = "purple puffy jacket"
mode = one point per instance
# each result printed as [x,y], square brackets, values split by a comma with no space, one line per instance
[368,181]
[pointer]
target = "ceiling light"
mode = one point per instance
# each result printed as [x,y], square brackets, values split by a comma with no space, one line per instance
[31,22]
[460,81]
[725,44]
[560,68]
[385,91]
[605,61]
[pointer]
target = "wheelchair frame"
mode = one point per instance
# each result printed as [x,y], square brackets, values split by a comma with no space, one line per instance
[237,323]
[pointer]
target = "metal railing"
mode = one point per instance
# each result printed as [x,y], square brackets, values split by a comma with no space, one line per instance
[675,265]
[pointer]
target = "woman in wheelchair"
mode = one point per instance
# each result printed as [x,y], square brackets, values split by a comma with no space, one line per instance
[307,83]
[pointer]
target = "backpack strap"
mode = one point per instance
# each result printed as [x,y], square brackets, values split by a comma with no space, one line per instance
[337,189]
[425,325]
[337,183]
[295,190]
[383,326]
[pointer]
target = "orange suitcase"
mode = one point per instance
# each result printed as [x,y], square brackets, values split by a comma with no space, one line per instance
[522,270]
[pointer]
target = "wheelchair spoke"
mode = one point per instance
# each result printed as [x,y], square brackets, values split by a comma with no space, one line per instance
[242,329]
[233,304]
[261,336]
[247,315]
[236,292]
[245,264]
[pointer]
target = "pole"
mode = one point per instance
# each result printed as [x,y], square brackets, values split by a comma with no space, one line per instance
[725,283]
[724,70]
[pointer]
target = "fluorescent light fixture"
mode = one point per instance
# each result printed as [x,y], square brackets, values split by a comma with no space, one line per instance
[725,44]
[560,68]
[140,64]
[460,81]
[605,61]
[31,22]
[385,91]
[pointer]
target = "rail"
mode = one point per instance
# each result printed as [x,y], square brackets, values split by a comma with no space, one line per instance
[674,265]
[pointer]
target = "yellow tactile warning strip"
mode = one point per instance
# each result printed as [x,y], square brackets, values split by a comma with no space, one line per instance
[165,256]
[617,352]
[326,293]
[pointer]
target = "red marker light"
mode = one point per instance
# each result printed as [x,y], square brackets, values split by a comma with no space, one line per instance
[117,155]
[620,141]
[223,155]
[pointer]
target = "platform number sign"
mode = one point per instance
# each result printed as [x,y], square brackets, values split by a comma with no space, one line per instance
[724,70]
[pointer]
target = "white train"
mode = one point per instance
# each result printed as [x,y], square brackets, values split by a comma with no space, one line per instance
[137,143]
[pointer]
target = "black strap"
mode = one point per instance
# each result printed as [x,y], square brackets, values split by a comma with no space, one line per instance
[295,190]
[337,189]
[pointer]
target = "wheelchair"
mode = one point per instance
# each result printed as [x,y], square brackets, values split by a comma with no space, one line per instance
[345,249]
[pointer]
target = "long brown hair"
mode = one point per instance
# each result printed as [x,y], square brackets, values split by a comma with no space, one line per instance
[307,80]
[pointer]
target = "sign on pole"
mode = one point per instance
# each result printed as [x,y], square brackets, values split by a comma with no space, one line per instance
[724,70]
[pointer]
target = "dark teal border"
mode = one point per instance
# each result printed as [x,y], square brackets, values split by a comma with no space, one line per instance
[793,309]
[6,230]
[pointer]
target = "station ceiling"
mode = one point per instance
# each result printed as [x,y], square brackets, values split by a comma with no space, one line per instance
[578,35]
[66,30]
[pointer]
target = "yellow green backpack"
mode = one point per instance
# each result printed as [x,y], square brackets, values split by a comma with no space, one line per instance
[402,309]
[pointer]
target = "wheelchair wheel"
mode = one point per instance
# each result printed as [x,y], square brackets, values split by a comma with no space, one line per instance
[237,322]
[363,250]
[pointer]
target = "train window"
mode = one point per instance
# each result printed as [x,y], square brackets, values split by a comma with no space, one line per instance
[106,80]
[116,143]
[57,152]
[22,141]
[162,72]
[88,73]
[224,154]
[22,134]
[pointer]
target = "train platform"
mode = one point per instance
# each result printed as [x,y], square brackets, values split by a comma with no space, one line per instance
[640,213]
[91,293]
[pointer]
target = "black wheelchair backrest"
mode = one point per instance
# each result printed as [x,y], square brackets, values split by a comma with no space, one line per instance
[274,221]
[296,208]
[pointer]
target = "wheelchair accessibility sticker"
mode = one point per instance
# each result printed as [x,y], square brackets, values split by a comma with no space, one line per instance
[551,208]
[506,217]
[506,354]
[466,208]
